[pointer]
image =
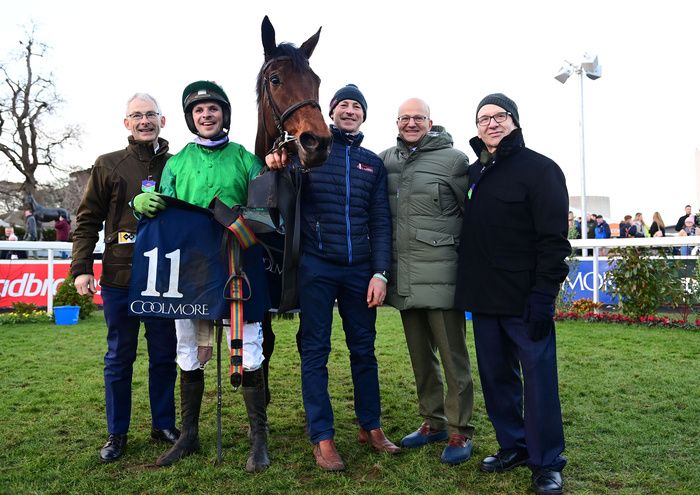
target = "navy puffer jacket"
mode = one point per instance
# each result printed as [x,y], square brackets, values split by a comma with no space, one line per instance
[344,207]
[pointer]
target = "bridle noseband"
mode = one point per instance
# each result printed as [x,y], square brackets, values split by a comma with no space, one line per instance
[283,136]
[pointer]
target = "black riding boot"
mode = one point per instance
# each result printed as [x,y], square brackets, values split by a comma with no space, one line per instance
[191,391]
[256,406]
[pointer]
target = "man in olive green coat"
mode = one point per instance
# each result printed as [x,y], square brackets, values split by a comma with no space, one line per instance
[427,181]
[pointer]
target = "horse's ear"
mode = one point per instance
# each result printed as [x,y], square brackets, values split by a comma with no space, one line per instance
[268,37]
[308,46]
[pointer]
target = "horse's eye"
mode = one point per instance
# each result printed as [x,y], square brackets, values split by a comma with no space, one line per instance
[275,80]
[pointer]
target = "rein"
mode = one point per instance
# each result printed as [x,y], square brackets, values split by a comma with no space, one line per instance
[283,137]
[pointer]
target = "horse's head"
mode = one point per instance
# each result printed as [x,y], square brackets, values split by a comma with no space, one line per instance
[28,202]
[288,109]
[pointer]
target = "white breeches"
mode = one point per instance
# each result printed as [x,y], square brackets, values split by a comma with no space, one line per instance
[196,338]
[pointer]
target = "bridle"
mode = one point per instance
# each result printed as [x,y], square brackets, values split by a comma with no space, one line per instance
[283,137]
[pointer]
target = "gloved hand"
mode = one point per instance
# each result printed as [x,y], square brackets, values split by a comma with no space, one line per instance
[539,315]
[149,204]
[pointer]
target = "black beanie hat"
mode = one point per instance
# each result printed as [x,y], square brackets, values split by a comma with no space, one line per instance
[502,101]
[349,92]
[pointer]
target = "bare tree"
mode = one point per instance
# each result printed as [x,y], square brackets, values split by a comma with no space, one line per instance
[26,141]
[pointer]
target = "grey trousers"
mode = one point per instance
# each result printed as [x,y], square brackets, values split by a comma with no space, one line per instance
[430,332]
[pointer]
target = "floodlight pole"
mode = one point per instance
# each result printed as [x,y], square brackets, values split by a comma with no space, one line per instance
[589,66]
[584,219]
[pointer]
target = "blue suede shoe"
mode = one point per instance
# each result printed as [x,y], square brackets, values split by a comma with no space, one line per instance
[423,436]
[458,450]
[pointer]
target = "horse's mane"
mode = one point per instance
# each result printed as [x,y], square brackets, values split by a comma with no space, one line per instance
[298,60]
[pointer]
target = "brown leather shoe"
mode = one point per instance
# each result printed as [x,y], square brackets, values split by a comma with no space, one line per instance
[377,440]
[327,456]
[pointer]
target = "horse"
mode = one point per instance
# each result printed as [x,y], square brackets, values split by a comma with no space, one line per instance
[289,116]
[42,213]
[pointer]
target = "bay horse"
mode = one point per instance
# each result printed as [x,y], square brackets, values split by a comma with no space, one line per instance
[289,116]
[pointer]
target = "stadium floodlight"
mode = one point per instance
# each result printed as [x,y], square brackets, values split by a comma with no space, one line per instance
[564,73]
[589,65]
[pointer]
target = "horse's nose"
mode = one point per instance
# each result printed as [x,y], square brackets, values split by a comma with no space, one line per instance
[313,143]
[308,141]
[315,147]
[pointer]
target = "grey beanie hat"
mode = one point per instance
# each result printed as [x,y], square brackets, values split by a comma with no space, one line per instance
[502,101]
[349,92]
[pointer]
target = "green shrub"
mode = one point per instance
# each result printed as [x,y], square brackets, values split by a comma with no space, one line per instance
[644,283]
[23,308]
[67,295]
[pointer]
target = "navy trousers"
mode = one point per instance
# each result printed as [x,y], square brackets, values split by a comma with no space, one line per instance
[503,348]
[320,284]
[122,342]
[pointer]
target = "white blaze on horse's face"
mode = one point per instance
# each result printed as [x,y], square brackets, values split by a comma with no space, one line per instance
[208,119]
[348,116]
[143,129]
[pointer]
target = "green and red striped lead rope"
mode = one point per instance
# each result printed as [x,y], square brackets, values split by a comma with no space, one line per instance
[246,238]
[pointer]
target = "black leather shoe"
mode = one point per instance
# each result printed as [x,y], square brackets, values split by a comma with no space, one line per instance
[114,448]
[546,482]
[504,460]
[166,435]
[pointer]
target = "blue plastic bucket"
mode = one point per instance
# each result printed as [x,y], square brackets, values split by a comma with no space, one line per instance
[66,315]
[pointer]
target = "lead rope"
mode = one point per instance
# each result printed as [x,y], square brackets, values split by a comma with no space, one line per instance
[242,238]
[237,322]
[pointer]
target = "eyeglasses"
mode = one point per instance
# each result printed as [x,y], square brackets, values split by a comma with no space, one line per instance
[137,116]
[500,117]
[418,119]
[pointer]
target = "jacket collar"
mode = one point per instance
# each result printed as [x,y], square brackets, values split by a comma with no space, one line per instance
[508,146]
[345,138]
[144,151]
[435,139]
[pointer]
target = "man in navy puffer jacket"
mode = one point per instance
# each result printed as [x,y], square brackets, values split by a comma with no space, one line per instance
[346,255]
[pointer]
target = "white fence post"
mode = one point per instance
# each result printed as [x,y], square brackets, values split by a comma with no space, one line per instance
[596,272]
[49,276]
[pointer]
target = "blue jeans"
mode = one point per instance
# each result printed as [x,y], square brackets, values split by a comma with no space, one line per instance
[122,342]
[320,284]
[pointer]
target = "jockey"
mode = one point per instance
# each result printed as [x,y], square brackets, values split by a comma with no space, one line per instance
[213,166]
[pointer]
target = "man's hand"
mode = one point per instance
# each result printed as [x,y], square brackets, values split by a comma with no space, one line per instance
[376,292]
[85,284]
[539,315]
[149,204]
[277,160]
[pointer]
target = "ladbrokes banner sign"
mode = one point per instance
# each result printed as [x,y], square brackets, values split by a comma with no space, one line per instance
[27,281]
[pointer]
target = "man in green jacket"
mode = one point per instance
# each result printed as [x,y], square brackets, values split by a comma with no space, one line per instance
[214,166]
[427,183]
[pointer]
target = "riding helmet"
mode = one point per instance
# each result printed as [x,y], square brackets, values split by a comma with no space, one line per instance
[205,91]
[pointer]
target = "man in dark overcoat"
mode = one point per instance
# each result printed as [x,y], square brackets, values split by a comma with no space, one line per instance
[509,275]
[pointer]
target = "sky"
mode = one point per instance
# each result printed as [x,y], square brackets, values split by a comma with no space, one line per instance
[640,118]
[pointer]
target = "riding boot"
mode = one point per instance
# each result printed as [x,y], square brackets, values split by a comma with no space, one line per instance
[256,406]
[191,391]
